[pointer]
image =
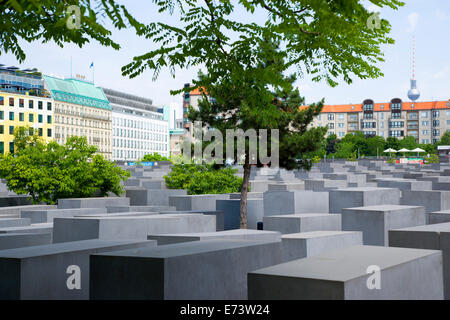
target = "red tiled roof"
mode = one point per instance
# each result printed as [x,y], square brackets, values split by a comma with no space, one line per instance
[406,106]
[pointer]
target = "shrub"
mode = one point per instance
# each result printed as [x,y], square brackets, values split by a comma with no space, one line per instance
[203,179]
[48,172]
[433,158]
[154,157]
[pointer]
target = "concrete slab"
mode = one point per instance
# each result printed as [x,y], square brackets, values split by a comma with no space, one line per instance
[302,222]
[40,272]
[198,270]
[376,221]
[343,275]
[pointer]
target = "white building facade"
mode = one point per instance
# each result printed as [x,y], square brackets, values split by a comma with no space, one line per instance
[138,128]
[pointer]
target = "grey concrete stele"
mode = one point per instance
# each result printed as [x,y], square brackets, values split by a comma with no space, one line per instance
[40,273]
[376,221]
[303,222]
[433,236]
[232,217]
[361,197]
[343,275]
[100,202]
[198,270]
[287,202]
[129,227]
[196,202]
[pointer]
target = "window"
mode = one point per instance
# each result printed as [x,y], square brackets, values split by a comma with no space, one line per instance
[11,102]
[341,134]
[40,132]
[396,133]
[31,117]
[436,132]
[40,105]
[11,147]
[11,129]
[2,147]
[424,114]
[331,125]
[425,132]
[368,115]
[435,114]
[425,123]
[382,115]
[49,119]
[425,141]
[49,133]
[21,116]
[435,123]
[396,106]
[331,116]
[2,101]
[1,115]
[2,129]
[447,113]
[11,116]
[49,106]
[40,118]
[341,116]
[396,124]
[30,104]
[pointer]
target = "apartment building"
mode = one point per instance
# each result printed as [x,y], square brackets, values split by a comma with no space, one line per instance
[81,109]
[23,102]
[425,121]
[138,127]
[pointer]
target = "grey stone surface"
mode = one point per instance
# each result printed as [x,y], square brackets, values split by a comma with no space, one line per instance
[306,244]
[19,240]
[151,197]
[361,197]
[101,202]
[432,200]
[303,222]
[219,214]
[342,275]
[14,212]
[47,215]
[231,210]
[440,216]
[376,221]
[238,234]
[196,202]
[40,273]
[132,227]
[116,209]
[18,200]
[34,228]
[300,185]
[14,222]
[324,184]
[295,202]
[200,270]
[434,236]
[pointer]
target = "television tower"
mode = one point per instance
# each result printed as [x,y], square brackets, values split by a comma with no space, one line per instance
[413,93]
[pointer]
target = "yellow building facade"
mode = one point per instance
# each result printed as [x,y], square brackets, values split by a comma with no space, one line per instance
[18,110]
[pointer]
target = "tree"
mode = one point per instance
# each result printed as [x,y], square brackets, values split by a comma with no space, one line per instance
[48,172]
[332,142]
[326,38]
[261,97]
[375,146]
[392,143]
[445,139]
[409,143]
[154,157]
[47,20]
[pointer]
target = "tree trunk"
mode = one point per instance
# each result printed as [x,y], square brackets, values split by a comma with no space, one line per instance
[244,192]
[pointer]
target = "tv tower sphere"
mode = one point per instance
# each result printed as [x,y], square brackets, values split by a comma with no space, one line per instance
[413,93]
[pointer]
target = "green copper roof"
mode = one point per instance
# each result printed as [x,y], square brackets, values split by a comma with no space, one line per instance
[77,91]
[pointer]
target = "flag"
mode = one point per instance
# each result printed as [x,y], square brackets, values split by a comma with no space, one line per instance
[92,65]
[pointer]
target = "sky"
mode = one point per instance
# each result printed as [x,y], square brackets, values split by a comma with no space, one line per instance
[427,20]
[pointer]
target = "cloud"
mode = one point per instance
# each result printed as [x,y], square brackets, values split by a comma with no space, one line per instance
[413,19]
[442,16]
[442,73]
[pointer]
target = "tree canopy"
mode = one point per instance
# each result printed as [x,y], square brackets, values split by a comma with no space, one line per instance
[48,172]
[47,20]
